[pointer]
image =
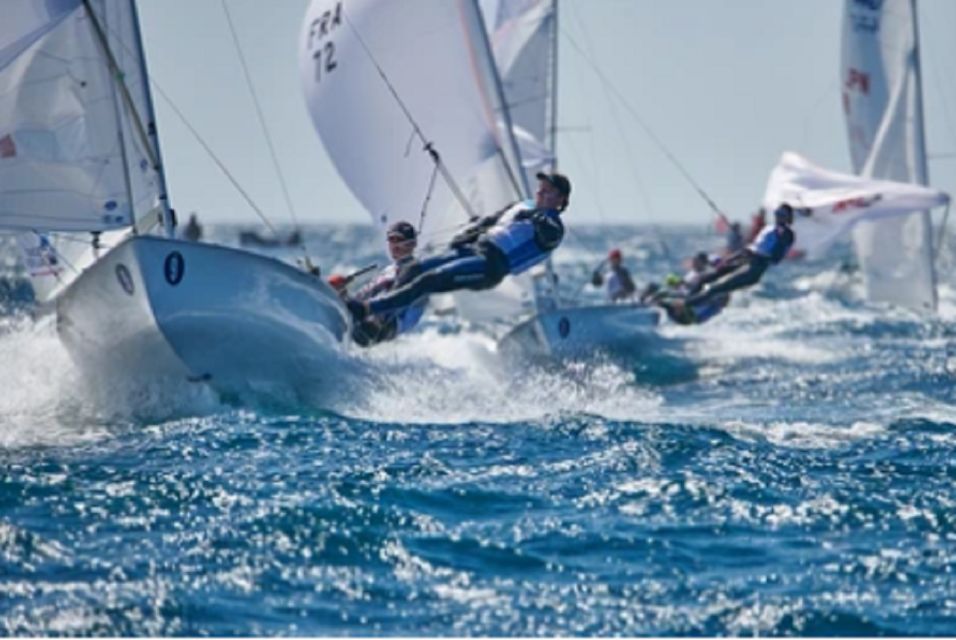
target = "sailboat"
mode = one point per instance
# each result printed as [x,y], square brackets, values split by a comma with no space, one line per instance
[82,182]
[882,102]
[524,42]
[401,98]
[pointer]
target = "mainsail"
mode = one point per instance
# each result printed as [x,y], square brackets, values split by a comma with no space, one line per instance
[373,72]
[839,202]
[882,103]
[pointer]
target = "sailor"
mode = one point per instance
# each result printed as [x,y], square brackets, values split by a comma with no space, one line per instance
[193,230]
[402,240]
[746,267]
[505,243]
[672,297]
[620,285]
[700,265]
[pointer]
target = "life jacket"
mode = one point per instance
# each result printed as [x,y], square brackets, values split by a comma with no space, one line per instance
[525,236]
[773,243]
[392,276]
[401,273]
[619,283]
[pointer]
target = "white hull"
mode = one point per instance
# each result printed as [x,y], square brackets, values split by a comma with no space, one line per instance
[155,308]
[580,331]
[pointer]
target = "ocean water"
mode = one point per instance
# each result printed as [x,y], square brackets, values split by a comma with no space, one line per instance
[787,469]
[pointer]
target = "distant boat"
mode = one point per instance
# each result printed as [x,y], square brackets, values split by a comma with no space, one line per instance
[883,104]
[81,179]
[254,239]
[524,41]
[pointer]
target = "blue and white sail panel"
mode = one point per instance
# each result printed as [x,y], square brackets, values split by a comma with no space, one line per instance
[70,159]
[830,204]
[881,101]
[437,72]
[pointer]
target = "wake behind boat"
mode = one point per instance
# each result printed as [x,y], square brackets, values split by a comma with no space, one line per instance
[81,180]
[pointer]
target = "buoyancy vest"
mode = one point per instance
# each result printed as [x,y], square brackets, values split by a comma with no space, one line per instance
[391,277]
[773,243]
[526,235]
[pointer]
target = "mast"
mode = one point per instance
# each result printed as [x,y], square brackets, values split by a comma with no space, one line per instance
[919,141]
[522,187]
[553,128]
[921,168]
[169,222]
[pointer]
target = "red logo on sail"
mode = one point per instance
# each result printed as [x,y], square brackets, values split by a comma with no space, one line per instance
[8,148]
[856,79]
[860,202]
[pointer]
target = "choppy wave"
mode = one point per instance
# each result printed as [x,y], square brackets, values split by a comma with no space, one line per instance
[786,469]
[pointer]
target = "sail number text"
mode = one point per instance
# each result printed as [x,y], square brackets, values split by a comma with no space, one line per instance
[320,42]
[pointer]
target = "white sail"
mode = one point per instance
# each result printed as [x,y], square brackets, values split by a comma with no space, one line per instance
[882,103]
[437,74]
[839,202]
[522,34]
[70,157]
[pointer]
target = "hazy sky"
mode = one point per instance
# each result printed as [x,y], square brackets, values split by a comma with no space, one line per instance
[727,85]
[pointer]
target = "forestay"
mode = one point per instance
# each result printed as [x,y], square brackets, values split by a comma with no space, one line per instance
[882,103]
[840,202]
[71,158]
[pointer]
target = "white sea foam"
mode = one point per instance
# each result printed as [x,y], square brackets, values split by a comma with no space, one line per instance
[802,434]
[430,377]
[47,400]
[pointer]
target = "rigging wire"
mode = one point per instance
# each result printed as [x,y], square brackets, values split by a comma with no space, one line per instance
[214,157]
[657,141]
[426,144]
[202,142]
[259,114]
[628,148]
